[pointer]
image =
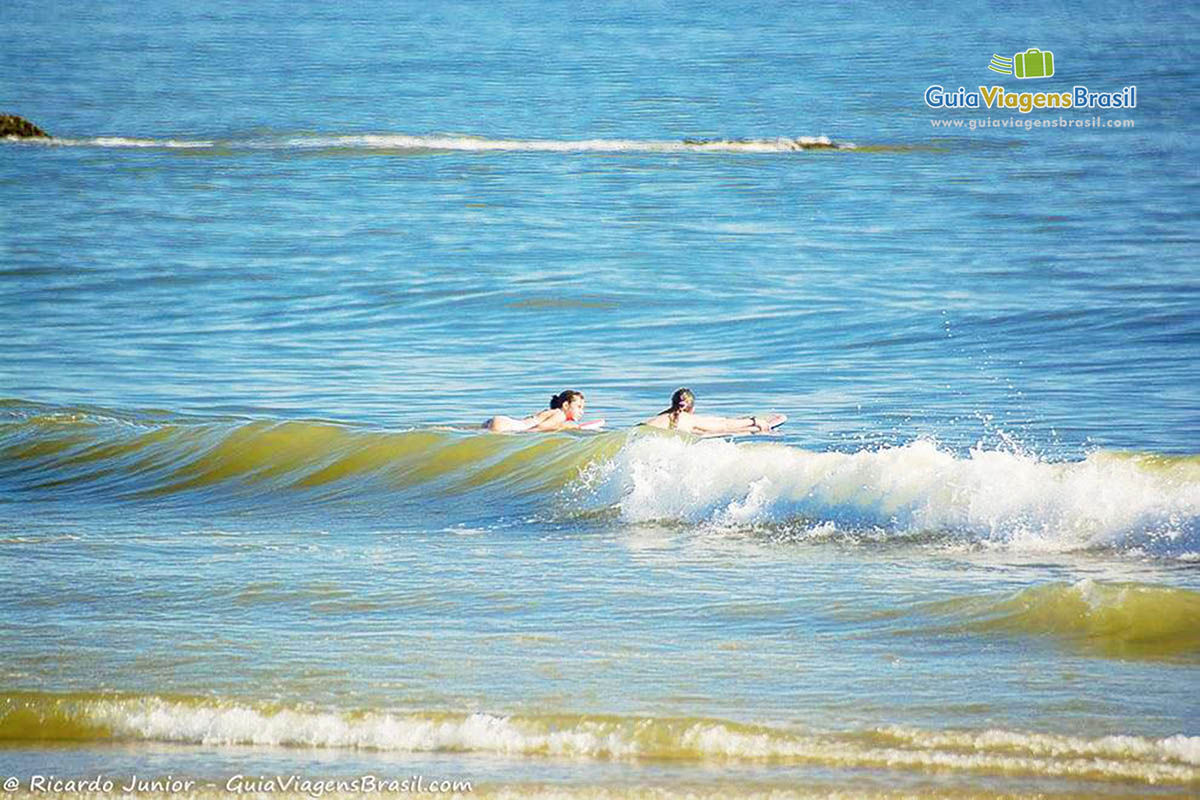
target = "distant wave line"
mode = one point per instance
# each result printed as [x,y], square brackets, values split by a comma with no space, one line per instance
[458,143]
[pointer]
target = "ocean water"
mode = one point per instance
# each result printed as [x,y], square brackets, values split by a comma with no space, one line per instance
[281,259]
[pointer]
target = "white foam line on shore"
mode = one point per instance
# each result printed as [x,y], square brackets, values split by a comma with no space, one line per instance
[1171,760]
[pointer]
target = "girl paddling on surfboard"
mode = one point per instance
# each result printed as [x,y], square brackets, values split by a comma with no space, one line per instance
[679,417]
[565,411]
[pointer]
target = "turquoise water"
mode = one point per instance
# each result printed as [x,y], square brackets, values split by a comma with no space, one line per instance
[280,261]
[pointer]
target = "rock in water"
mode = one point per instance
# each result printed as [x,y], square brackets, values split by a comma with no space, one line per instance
[12,125]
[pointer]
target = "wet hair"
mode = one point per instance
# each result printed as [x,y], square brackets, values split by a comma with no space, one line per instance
[562,398]
[682,400]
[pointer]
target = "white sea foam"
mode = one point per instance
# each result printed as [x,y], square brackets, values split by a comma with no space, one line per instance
[463,143]
[126,142]
[1177,749]
[473,143]
[1001,498]
[1175,759]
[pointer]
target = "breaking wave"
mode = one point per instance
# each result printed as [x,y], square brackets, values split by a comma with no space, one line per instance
[435,143]
[1138,503]
[36,717]
[1131,501]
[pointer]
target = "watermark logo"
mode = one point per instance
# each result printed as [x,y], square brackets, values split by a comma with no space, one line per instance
[1033,63]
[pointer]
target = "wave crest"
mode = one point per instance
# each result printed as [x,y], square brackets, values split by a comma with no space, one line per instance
[435,143]
[1121,620]
[1141,504]
[137,457]
[39,717]
[996,497]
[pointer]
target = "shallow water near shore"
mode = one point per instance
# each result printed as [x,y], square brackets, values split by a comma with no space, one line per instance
[281,261]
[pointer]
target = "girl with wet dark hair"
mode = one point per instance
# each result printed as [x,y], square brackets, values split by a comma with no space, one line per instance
[680,417]
[565,411]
